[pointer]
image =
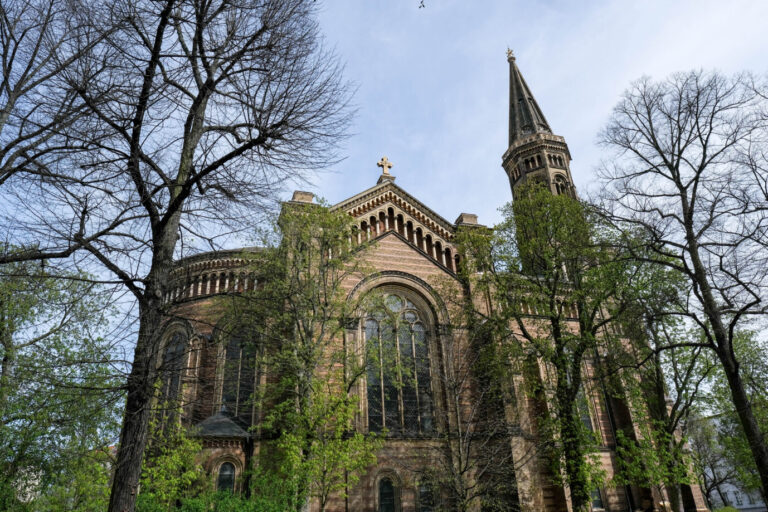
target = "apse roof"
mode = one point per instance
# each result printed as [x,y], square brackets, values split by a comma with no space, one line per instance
[219,425]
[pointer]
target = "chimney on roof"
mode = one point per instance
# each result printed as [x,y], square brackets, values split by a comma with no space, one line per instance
[300,196]
[467,219]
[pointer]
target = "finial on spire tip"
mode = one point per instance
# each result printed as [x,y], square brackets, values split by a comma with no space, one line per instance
[510,55]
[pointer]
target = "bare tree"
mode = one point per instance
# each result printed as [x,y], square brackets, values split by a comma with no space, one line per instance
[192,116]
[690,175]
[40,40]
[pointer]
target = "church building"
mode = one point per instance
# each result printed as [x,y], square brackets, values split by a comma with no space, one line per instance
[414,255]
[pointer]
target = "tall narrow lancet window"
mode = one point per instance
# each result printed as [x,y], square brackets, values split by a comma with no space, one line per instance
[398,373]
[239,378]
[172,367]
[226,479]
[387,496]
[583,407]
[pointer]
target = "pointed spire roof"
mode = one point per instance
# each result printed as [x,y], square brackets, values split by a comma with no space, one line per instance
[525,116]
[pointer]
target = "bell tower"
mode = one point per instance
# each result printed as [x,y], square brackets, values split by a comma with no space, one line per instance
[534,152]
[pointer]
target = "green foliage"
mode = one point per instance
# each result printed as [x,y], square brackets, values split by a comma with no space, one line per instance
[84,488]
[58,395]
[654,460]
[298,317]
[323,449]
[556,282]
[750,349]
[170,471]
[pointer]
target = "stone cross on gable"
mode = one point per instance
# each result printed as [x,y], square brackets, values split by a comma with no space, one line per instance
[385,164]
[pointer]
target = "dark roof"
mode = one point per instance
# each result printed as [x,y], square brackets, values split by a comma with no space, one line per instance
[525,116]
[219,425]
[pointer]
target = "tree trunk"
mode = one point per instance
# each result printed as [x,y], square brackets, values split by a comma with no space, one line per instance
[140,387]
[746,416]
[141,381]
[724,352]
[573,452]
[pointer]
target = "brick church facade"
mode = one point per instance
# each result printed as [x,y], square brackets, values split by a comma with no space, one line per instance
[412,260]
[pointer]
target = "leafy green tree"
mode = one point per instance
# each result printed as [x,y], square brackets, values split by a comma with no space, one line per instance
[663,371]
[171,470]
[299,315]
[557,290]
[689,173]
[84,487]
[324,452]
[751,349]
[58,388]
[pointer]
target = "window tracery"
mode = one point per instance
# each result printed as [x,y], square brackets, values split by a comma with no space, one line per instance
[398,373]
[562,186]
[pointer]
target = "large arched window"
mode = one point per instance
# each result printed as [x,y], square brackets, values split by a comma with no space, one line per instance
[226,478]
[239,378]
[399,392]
[173,366]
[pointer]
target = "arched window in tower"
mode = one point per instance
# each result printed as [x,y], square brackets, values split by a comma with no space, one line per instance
[239,378]
[226,479]
[398,373]
[172,367]
[561,186]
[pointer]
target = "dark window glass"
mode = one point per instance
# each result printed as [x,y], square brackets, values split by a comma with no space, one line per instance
[226,480]
[239,378]
[399,389]
[173,365]
[386,495]
[597,499]
[373,372]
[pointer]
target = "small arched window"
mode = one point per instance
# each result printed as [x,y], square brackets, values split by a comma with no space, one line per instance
[173,366]
[398,373]
[226,479]
[387,496]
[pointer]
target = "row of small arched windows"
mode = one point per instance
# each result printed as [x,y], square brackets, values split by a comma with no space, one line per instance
[535,162]
[556,160]
[388,498]
[211,284]
[387,221]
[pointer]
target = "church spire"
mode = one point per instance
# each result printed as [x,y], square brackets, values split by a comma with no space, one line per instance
[525,116]
[534,152]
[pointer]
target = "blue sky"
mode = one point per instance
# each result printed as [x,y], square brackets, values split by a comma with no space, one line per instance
[432,83]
